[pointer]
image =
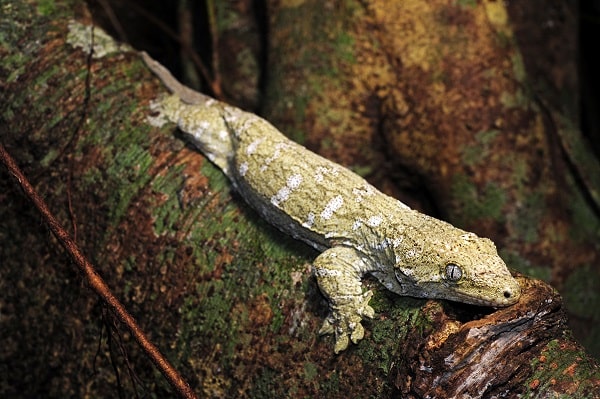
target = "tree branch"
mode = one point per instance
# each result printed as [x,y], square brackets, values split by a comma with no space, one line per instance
[96,282]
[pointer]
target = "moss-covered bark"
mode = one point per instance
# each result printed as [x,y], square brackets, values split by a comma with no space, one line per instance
[228,299]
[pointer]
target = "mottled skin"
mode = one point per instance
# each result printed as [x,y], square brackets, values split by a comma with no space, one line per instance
[357,228]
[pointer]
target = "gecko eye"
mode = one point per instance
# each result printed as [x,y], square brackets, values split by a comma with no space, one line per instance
[453,272]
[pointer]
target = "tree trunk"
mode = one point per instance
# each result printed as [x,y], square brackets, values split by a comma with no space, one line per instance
[226,297]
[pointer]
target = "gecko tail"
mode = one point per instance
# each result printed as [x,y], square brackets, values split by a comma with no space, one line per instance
[196,114]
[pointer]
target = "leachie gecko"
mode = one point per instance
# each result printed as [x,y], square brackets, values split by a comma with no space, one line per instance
[357,228]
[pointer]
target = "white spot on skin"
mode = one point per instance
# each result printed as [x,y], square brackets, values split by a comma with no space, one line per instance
[243,169]
[282,195]
[223,135]
[322,171]
[310,220]
[332,206]
[345,297]
[327,273]
[200,129]
[251,149]
[242,121]
[319,174]
[411,253]
[276,154]
[374,221]
[292,183]
[356,225]
[361,193]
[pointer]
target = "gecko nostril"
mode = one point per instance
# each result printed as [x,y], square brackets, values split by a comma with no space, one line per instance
[507,294]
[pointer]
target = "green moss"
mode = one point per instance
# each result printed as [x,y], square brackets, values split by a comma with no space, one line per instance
[320,72]
[344,44]
[402,315]
[226,16]
[310,371]
[581,294]
[278,319]
[331,385]
[585,221]
[130,264]
[13,35]
[262,259]
[486,137]
[518,67]
[562,367]
[473,204]
[263,386]
[219,183]
[505,40]
[478,152]
[527,218]
[46,7]
[49,157]
[127,174]
[518,99]
[201,315]
[466,3]
[582,299]
[17,60]
[168,213]
[520,173]
[300,102]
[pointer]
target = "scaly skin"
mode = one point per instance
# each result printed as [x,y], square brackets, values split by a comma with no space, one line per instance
[358,229]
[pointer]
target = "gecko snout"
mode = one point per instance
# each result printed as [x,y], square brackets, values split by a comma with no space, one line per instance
[511,294]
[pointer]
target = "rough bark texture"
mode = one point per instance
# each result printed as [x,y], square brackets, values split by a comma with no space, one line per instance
[227,298]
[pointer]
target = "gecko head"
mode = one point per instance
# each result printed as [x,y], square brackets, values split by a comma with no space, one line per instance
[458,266]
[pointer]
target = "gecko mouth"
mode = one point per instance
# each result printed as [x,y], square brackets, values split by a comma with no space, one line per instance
[508,296]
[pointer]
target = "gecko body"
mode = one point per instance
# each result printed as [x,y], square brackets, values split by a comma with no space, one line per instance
[357,228]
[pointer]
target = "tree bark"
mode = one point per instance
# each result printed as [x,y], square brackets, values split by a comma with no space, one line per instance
[227,298]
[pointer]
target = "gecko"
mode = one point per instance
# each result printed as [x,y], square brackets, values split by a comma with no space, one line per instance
[356,228]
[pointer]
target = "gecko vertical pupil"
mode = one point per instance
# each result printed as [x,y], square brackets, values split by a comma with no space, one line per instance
[453,272]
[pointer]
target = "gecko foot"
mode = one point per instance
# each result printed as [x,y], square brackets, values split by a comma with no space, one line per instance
[345,319]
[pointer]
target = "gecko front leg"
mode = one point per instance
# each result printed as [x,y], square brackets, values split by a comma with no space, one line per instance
[339,271]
